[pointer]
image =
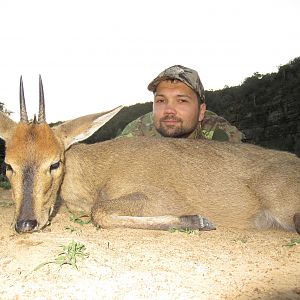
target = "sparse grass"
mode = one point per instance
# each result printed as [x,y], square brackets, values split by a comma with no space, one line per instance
[4,183]
[68,256]
[72,228]
[293,242]
[6,203]
[242,239]
[82,219]
[184,230]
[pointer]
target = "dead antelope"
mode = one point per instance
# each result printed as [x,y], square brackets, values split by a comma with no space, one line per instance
[145,183]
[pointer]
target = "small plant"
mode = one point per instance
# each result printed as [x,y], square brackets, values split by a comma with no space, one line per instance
[81,219]
[4,183]
[68,256]
[293,242]
[71,228]
[6,203]
[184,230]
[242,239]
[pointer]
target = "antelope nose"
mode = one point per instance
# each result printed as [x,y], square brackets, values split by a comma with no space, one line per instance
[26,225]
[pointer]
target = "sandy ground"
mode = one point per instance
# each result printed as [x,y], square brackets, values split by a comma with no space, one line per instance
[141,264]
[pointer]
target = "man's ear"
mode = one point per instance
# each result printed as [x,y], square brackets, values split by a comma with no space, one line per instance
[81,128]
[202,111]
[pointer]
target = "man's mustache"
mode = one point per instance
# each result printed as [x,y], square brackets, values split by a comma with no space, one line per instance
[170,118]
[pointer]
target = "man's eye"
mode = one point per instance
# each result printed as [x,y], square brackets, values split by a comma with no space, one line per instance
[55,166]
[182,100]
[159,100]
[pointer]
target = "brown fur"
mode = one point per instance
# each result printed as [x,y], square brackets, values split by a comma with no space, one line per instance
[151,183]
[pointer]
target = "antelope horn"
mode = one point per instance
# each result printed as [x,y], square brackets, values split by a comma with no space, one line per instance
[41,117]
[23,112]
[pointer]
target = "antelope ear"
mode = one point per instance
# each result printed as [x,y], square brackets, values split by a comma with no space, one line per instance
[79,129]
[6,126]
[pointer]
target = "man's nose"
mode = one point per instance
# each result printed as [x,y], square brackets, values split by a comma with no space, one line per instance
[170,109]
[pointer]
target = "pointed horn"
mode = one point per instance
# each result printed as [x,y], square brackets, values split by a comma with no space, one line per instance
[42,116]
[23,112]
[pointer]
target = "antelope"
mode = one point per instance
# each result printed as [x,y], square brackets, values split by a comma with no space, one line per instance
[144,183]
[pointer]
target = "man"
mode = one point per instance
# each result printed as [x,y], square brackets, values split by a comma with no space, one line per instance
[179,110]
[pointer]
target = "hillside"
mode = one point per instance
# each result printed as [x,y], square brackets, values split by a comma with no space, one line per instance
[115,126]
[265,107]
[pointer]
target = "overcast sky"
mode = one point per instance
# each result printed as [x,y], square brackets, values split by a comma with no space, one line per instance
[96,55]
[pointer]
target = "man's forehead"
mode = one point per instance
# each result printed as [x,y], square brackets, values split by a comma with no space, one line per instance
[174,86]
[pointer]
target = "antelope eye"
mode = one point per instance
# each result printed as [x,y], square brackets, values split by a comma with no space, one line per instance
[55,166]
[8,167]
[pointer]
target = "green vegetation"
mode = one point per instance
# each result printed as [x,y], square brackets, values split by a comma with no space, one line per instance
[266,108]
[184,230]
[4,183]
[242,240]
[4,109]
[293,242]
[82,219]
[6,203]
[71,228]
[68,256]
[116,125]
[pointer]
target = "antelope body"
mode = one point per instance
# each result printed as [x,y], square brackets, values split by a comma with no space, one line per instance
[149,183]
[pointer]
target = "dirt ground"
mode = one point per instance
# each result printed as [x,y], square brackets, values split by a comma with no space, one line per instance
[141,264]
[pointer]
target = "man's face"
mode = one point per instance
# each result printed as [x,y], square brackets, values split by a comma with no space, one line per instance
[176,111]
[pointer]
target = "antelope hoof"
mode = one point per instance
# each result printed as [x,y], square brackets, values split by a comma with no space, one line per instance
[196,222]
[297,222]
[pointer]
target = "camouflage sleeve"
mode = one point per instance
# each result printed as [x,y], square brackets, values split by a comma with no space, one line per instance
[142,126]
[217,128]
[227,132]
[131,129]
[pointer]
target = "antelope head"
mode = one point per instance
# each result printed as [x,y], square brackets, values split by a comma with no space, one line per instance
[35,159]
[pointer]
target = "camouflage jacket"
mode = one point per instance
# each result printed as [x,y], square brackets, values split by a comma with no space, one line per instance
[212,127]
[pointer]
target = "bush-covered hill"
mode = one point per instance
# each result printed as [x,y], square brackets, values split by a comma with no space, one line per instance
[265,107]
[115,126]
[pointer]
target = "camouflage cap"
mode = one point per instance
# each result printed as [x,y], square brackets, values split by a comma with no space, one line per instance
[186,75]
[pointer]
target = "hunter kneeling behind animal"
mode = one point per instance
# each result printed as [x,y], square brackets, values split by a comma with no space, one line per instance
[148,183]
[179,110]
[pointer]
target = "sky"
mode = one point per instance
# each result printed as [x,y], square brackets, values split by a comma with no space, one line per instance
[95,55]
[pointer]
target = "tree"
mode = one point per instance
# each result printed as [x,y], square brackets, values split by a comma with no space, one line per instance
[4,109]
[2,143]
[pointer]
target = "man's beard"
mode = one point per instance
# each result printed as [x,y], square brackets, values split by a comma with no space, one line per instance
[175,131]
